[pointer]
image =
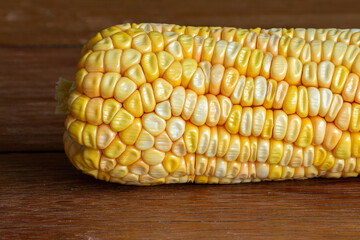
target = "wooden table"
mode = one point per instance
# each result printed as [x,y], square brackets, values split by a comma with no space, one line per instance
[43,197]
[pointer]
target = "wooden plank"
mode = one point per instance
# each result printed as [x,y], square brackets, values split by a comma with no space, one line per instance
[27,105]
[44,197]
[73,22]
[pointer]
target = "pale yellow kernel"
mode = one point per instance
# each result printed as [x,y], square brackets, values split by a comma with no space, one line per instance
[187,43]
[295,47]
[258,120]
[294,71]
[89,135]
[198,46]
[297,157]
[291,99]
[197,82]
[276,151]
[145,140]
[280,124]
[110,109]
[270,94]
[343,118]
[302,108]
[248,94]
[234,148]
[153,156]
[255,63]
[173,74]
[202,164]
[315,51]
[95,62]
[130,134]
[121,120]
[343,148]
[130,156]
[191,137]
[115,149]
[189,105]
[224,141]
[119,171]
[238,91]
[279,68]
[213,142]
[306,133]
[77,107]
[216,76]
[162,89]
[157,41]
[339,78]
[121,40]
[246,121]
[355,144]
[266,65]
[139,168]
[230,79]
[335,107]
[268,125]
[280,94]
[242,60]
[112,60]
[288,151]
[108,84]
[149,64]
[328,163]
[355,118]
[262,170]
[293,129]
[319,126]
[214,110]
[142,43]
[350,87]
[133,104]
[309,76]
[104,137]
[147,97]
[219,52]
[129,58]
[327,50]
[225,108]
[174,48]
[200,113]
[136,74]
[165,59]
[154,124]
[273,46]
[339,53]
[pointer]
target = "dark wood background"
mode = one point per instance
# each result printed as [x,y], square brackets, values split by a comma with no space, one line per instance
[43,197]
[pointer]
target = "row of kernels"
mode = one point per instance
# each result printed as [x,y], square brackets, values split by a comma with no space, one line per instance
[244,90]
[89,160]
[230,34]
[277,44]
[217,53]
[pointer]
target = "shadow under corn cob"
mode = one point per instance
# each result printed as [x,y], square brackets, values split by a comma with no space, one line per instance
[162,103]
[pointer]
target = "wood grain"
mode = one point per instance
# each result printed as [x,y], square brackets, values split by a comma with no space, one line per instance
[27,87]
[68,22]
[44,197]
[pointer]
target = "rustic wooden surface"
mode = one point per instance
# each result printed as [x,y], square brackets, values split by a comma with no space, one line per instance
[43,197]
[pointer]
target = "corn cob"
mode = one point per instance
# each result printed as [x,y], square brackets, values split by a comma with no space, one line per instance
[163,103]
